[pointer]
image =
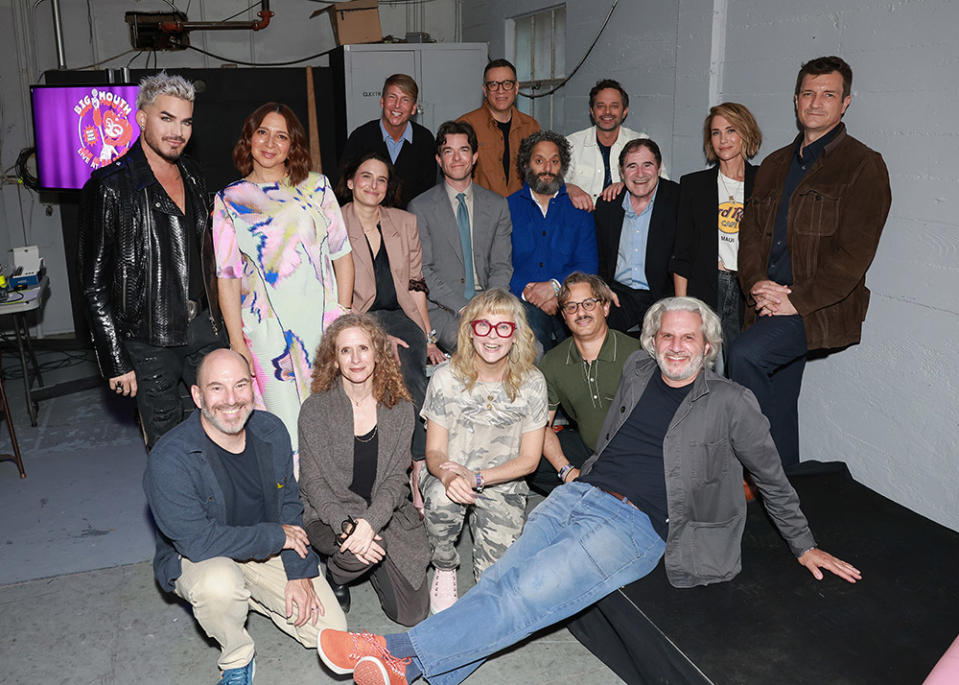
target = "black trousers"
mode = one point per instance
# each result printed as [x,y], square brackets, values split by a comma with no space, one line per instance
[401,602]
[632,307]
[543,480]
[160,370]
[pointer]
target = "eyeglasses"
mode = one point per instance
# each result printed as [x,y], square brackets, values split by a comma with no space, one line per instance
[483,328]
[588,305]
[496,85]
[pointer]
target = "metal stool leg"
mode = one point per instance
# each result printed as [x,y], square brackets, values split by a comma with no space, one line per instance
[19,321]
[15,457]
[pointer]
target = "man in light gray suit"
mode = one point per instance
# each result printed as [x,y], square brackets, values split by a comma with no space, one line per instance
[458,218]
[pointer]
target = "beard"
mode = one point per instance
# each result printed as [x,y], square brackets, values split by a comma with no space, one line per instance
[544,184]
[224,428]
[156,146]
[685,372]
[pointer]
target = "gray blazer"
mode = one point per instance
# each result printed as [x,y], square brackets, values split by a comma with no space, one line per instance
[718,428]
[443,265]
[326,471]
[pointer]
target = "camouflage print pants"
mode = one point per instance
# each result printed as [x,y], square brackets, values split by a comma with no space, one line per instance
[496,519]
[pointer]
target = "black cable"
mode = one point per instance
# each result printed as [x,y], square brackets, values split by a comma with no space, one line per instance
[23,173]
[592,45]
[258,64]
[234,16]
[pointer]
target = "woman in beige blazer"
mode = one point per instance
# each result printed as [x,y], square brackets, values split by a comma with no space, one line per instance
[388,281]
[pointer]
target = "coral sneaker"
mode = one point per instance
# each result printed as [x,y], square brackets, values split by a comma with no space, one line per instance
[341,651]
[443,590]
[373,671]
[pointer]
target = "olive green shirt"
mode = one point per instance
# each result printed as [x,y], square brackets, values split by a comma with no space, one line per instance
[585,390]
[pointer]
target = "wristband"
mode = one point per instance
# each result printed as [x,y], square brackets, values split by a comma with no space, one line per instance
[480,482]
[563,472]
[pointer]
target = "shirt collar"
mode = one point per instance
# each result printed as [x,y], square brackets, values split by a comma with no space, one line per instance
[407,133]
[453,192]
[628,205]
[812,151]
[607,353]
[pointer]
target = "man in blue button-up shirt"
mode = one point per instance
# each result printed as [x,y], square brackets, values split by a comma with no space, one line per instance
[551,238]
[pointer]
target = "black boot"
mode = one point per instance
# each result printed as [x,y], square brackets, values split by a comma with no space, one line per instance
[341,592]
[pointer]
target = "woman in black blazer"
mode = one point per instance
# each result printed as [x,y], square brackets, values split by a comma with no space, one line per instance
[710,207]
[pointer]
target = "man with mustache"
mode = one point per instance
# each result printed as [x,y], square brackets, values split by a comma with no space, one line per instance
[146,260]
[551,238]
[582,374]
[665,482]
[230,521]
[635,233]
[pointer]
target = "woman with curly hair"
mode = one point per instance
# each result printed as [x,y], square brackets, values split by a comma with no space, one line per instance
[485,413]
[354,451]
[284,271]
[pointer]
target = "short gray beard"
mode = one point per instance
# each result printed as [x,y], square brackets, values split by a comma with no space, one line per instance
[220,427]
[695,364]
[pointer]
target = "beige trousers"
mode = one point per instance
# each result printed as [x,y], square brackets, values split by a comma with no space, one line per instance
[222,592]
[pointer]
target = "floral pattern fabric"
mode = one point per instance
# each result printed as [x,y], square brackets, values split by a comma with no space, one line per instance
[281,240]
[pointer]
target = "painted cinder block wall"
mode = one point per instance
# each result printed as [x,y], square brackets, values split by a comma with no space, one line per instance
[888,407]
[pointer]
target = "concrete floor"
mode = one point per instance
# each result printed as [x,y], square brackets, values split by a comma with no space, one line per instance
[78,603]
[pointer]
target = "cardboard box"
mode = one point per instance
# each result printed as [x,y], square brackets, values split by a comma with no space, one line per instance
[28,268]
[357,21]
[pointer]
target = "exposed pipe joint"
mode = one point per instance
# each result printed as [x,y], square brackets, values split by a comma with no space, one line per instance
[182,26]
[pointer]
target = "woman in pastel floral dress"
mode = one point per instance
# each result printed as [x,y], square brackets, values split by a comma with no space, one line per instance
[283,260]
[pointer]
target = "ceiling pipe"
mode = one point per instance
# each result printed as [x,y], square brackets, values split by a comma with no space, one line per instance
[58,35]
[181,26]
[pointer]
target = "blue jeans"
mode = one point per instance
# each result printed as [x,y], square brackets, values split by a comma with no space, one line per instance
[729,307]
[578,546]
[769,358]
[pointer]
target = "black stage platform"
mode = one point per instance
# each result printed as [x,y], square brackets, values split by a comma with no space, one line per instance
[774,623]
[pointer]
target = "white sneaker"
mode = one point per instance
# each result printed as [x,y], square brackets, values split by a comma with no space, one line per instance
[443,590]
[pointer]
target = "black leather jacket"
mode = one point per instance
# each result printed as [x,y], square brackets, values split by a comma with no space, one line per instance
[133,257]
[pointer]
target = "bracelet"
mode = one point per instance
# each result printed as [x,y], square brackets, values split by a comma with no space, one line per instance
[344,308]
[480,482]
[431,338]
[556,286]
[563,472]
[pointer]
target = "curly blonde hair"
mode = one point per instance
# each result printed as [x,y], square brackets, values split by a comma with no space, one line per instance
[388,386]
[522,354]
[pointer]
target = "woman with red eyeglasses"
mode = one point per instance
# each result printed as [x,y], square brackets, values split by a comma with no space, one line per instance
[486,416]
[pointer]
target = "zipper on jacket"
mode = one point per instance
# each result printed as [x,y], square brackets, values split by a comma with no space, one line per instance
[148,218]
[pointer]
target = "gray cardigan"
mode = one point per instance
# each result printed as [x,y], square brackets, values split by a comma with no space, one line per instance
[326,471]
[717,426]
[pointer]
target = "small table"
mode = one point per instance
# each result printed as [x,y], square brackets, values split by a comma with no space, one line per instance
[17,305]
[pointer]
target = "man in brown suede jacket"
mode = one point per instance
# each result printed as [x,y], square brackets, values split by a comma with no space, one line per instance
[808,235]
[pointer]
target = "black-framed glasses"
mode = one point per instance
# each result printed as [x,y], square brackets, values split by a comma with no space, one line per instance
[496,85]
[483,328]
[588,305]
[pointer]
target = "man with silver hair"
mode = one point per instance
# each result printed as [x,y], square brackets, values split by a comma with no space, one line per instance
[665,481]
[551,238]
[146,260]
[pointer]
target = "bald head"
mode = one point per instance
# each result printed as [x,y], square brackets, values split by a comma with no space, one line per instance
[213,362]
[224,394]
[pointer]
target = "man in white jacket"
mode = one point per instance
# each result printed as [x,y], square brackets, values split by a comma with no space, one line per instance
[595,150]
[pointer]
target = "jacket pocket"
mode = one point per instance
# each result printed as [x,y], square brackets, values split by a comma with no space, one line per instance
[815,212]
[710,461]
[715,547]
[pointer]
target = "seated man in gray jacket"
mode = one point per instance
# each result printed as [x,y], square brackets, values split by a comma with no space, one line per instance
[666,479]
[465,232]
[221,489]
